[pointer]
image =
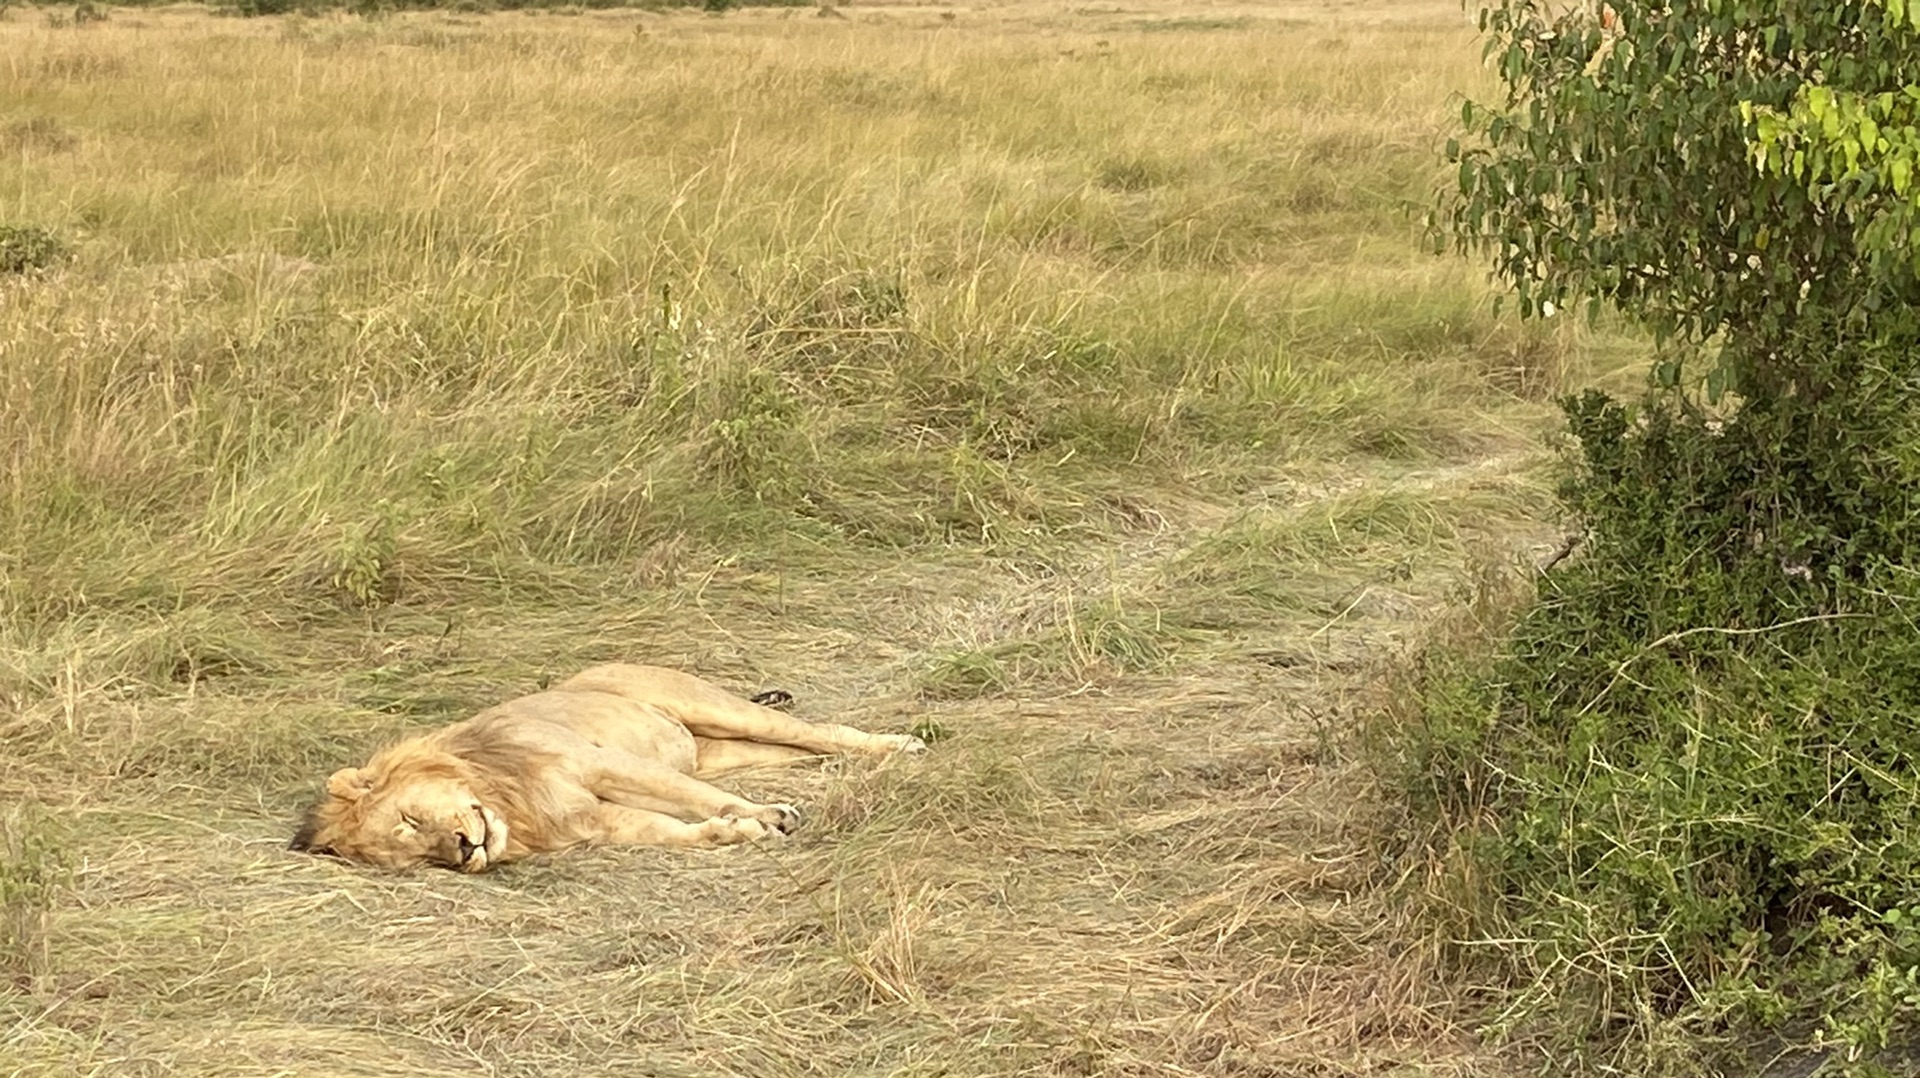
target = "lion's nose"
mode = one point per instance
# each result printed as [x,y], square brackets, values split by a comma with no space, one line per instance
[466,847]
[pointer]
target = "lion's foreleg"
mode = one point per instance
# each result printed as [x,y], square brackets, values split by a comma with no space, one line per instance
[637,783]
[623,826]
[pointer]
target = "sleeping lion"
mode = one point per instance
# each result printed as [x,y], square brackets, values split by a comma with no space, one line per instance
[613,756]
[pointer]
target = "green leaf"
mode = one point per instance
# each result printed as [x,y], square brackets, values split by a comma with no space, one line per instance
[1717,384]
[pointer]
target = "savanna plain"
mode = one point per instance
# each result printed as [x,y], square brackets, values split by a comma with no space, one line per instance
[1071,385]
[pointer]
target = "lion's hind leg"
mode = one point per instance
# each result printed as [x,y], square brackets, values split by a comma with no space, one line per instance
[715,715]
[708,711]
[718,755]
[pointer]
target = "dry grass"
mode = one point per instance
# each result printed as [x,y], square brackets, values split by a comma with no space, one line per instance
[1065,381]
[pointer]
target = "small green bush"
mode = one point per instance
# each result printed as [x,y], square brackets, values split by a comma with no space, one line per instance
[25,247]
[754,443]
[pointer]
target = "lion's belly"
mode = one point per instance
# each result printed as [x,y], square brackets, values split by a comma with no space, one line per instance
[614,722]
[641,729]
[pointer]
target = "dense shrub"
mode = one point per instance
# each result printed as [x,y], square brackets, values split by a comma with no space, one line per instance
[1669,807]
[1681,792]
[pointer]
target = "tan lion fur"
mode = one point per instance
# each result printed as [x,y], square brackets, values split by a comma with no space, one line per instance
[615,755]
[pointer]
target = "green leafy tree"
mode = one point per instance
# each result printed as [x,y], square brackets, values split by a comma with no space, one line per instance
[1621,169]
[1672,810]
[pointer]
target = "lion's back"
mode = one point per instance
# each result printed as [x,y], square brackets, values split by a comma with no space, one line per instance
[571,723]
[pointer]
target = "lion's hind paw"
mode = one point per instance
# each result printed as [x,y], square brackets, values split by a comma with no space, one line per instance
[785,818]
[892,743]
[782,819]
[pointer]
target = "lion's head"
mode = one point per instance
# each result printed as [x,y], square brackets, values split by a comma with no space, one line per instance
[403,811]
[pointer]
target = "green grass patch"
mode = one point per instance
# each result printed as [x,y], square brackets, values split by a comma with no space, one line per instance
[1318,561]
[1073,643]
[34,867]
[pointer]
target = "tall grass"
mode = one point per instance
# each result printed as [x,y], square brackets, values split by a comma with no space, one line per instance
[359,311]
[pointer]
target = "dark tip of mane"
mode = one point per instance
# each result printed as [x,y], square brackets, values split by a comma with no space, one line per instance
[775,698]
[303,838]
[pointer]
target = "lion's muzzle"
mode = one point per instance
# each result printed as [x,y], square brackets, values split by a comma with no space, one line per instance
[488,840]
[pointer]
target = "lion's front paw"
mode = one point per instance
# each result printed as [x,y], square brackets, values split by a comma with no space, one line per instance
[772,819]
[777,819]
[904,743]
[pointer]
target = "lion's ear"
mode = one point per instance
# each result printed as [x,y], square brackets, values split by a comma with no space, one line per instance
[350,783]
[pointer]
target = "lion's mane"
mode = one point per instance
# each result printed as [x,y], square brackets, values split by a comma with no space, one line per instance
[490,755]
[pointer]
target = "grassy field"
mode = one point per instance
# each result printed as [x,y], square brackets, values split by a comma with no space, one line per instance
[1069,382]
